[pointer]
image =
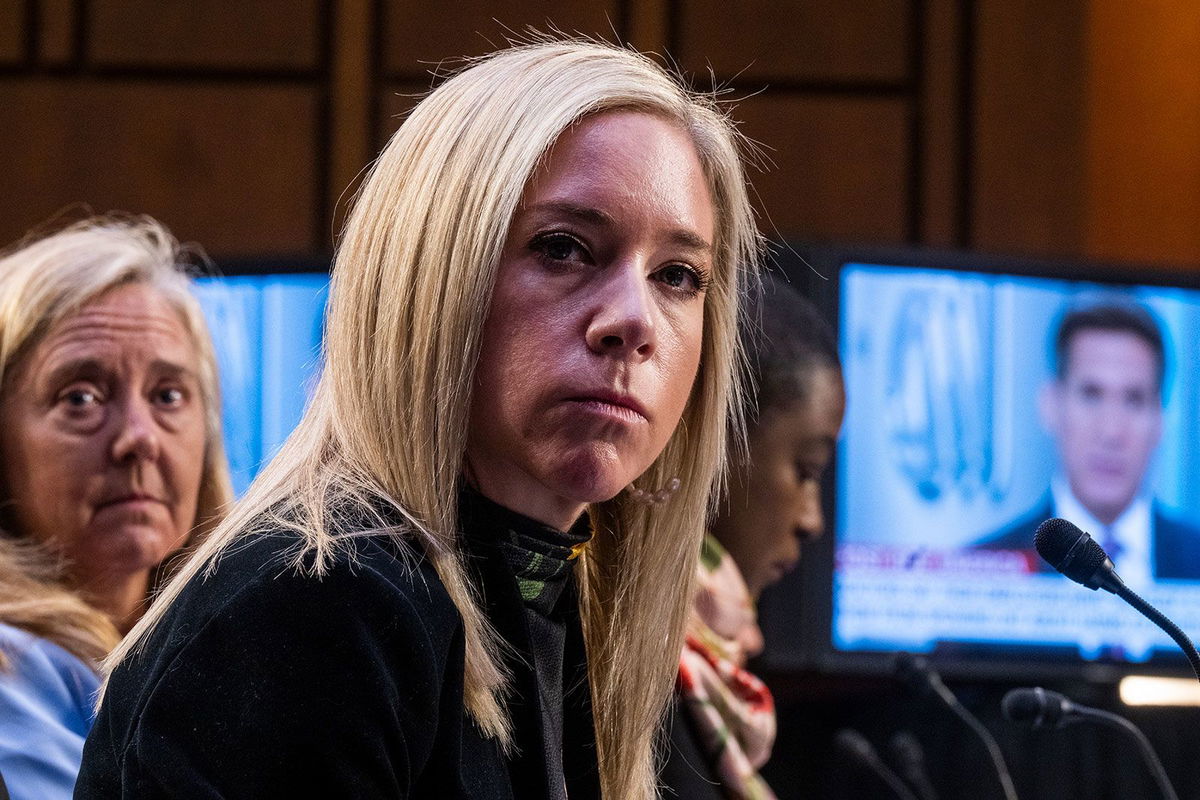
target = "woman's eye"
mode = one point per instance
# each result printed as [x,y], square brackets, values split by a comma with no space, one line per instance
[80,401]
[679,276]
[559,247]
[171,397]
[808,472]
[79,398]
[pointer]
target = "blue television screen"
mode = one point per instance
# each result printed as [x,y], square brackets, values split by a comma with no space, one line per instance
[968,423]
[267,331]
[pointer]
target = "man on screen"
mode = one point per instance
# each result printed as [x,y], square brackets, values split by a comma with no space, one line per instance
[1104,409]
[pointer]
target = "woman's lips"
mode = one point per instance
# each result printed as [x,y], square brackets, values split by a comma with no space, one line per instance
[130,501]
[611,404]
[782,568]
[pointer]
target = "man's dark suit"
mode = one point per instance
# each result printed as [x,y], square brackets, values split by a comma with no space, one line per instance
[1175,545]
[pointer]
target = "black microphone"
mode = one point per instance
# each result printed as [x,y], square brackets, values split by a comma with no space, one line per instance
[861,752]
[909,756]
[1042,708]
[1037,708]
[921,678]
[1075,554]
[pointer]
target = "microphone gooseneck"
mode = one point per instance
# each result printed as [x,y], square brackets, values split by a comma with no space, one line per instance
[861,752]
[1041,708]
[921,678]
[1160,619]
[909,757]
[1075,554]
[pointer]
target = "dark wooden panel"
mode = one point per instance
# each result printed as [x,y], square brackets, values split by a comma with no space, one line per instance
[1029,127]
[416,38]
[231,34]
[941,126]
[395,101]
[648,25]
[1143,126]
[352,101]
[805,40]
[57,21]
[230,166]
[12,30]
[840,166]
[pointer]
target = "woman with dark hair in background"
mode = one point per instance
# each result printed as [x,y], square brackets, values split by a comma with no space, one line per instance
[724,721]
[111,461]
[466,573]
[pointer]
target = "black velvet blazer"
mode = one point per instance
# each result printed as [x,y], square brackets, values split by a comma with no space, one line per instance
[264,682]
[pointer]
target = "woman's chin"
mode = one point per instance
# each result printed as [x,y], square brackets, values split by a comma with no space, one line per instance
[593,480]
[590,492]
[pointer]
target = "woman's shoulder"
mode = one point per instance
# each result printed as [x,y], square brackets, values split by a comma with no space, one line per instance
[46,697]
[45,674]
[271,638]
[378,565]
[272,580]
[266,615]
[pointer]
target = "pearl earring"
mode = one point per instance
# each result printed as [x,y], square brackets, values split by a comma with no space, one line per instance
[654,498]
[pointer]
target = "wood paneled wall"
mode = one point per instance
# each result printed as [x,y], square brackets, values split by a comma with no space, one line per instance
[1142,130]
[945,122]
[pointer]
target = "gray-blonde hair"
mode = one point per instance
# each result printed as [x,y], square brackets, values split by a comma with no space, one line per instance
[412,284]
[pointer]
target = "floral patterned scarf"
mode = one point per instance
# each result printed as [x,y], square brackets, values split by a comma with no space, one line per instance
[731,710]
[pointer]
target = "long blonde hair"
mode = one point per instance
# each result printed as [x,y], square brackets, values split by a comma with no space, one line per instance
[412,283]
[43,280]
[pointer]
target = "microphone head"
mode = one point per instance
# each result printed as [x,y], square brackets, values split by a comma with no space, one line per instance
[1073,553]
[1055,538]
[1023,706]
[915,673]
[1035,707]
[907,748]
[912,671]
[854,744]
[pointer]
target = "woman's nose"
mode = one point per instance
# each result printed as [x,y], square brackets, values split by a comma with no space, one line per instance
[137,437]
[810,521]
[622,324]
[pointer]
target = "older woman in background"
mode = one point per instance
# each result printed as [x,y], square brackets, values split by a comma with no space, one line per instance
[110,462]
[724,724]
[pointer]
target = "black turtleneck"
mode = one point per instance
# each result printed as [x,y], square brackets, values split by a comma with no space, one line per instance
[263,680]
[525,571]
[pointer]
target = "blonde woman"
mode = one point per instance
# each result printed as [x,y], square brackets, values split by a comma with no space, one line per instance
[110,460]
[466,573]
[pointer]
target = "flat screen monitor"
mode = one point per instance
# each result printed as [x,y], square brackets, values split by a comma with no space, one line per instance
[984,396]
[267,327]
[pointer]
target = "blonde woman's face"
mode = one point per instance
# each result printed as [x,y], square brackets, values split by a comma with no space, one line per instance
[593,339]
[102,434]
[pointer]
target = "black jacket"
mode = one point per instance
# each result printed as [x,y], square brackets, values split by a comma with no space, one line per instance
[686,772]
[264,682]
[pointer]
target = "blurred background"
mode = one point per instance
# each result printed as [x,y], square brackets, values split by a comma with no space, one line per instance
[1068,129]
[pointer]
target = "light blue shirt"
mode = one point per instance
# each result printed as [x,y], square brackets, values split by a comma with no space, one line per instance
[46,710]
